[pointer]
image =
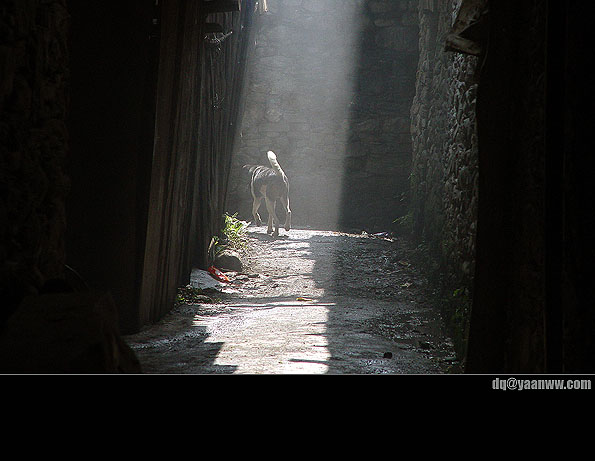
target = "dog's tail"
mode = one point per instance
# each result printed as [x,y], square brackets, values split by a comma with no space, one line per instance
[274,163]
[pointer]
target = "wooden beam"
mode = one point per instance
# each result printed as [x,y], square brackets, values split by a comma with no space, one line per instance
[220,6]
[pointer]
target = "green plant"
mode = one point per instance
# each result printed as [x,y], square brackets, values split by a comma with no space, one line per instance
[234,231]
[233,236]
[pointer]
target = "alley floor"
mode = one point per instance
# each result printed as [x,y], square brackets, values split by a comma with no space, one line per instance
[306,302]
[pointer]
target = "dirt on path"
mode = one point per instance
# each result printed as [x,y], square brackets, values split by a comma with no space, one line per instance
[306,302]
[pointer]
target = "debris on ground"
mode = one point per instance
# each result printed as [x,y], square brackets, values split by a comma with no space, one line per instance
[379,235]
[202,280]
[217,274]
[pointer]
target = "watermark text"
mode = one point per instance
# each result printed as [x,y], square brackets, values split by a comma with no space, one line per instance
[517,384]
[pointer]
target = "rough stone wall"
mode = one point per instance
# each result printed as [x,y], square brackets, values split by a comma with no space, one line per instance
[33,145]
[330,89]
[444,173]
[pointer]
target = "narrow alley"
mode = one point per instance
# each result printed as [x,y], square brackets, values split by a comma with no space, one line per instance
[437,156]
[307,302]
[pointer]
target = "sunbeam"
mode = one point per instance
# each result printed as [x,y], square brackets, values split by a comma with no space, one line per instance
[301,84]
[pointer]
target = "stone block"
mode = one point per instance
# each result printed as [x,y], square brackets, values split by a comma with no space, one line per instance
[229,260]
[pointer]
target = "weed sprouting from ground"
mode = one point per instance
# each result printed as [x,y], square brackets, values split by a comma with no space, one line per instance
[234,231]
[232,237]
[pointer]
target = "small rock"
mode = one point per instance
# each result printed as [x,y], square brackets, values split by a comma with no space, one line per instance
[388,355]
[229,260]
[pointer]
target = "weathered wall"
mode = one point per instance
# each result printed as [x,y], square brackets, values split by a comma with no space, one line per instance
[444,173]
[85,183]
[501,182]
[329,90]
[150,146]
[113,61]
[34,74]
[198,97]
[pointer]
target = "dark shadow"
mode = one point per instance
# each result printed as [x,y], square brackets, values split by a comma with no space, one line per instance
[177,345]
[378,149]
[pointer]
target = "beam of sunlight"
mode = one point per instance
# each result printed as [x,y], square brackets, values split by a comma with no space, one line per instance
[299,105]
[300,100]
[333,59]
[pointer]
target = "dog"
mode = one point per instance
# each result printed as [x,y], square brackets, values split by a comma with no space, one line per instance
[270,184]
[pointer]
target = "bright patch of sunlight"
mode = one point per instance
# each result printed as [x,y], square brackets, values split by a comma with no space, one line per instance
[283,337]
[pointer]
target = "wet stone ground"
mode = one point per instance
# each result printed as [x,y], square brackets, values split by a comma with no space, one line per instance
[306,302]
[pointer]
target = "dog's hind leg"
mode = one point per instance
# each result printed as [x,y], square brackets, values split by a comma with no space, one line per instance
[273,220]
[255,206]
[285,201]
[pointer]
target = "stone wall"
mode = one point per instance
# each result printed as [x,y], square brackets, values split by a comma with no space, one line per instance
[330,88]
[444,174]
[33,145]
